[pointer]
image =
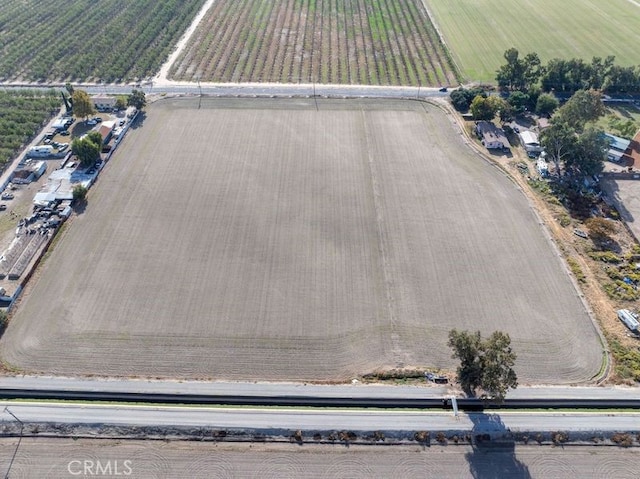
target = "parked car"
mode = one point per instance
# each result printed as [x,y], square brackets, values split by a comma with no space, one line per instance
[3,207]
[92,122]
[580,233]
[436,378]
[7,196]
[97,119]
[443,89]
[65,133]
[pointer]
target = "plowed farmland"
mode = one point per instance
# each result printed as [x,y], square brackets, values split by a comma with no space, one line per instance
[265,239]
[379,42]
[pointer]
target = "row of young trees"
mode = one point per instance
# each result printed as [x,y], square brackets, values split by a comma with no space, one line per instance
[44,40]
[22,114]
[566,76]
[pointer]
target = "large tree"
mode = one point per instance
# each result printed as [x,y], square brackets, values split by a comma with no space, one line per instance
[583,106]
[137,99]
[589,153]
[518,101]
[86,150]
[485,365]
[510,75]
[546,105]
[485,108]
[559,141]
[82,104]
[519,74]
[461,98]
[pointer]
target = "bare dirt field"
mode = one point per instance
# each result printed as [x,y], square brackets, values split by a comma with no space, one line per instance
[265,239]
[63,458]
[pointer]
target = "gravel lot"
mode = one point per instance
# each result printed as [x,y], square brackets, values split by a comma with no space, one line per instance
[56,458]
[266,239]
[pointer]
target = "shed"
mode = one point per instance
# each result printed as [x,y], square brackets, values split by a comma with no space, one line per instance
[529,141]
[103,102]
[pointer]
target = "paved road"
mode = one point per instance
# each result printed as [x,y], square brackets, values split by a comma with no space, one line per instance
[307,419]
[295,389]
[254,89]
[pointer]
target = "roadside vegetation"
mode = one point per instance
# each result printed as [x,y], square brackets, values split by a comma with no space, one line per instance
[22,114]
[381,42]
[85,40]
[486,365]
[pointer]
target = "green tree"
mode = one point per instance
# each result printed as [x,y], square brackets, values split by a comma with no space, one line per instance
[518,101]
[583,106]
[559,141]
[510,75]
[82,104]
[533,70]
[121,103]
[94,137]
[546,105]
[483,108]
[519,74]
[86,150]
[137,99]
[461,98]
[484,364]
[505,110]
[79,193]
[589,153]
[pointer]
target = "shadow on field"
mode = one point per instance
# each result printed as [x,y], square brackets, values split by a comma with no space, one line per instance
[138,122]
[612,190]
[79,206]
[493,455]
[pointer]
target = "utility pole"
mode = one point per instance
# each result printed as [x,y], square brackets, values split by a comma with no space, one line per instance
[200,96]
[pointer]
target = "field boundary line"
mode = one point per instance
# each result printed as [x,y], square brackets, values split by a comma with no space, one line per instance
[457,71]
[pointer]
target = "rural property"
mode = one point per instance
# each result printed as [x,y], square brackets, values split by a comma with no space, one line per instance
[282,239]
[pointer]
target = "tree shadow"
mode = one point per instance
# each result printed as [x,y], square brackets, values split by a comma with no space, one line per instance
[139,120]
[79,206]
[612,189]
[493,450]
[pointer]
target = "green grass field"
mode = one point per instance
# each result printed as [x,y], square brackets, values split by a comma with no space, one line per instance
[478,32]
